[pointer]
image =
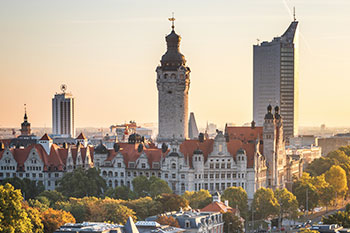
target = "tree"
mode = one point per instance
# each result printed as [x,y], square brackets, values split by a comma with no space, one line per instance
[198,199]
[158,187]
[52,196]
[78,207]
[141,186]
[341,218]
[265,204]
[237,197]
[113,211]
[306,192]
[167,220]
[53,219]
[80,183]
[326,191]
[288,204]
[171,202]
[34,216]
[319,166]
[345,149]
[336,177]
[143,207]
[29,188]
[232,223]
[306,230]
[121,192]
[13,218]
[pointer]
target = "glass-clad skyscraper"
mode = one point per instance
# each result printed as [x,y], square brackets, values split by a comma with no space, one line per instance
[275,79]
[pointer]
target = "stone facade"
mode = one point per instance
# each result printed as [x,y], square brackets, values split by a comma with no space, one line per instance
[173,82]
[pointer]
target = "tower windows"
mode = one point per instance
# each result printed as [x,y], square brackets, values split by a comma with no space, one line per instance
[170,92]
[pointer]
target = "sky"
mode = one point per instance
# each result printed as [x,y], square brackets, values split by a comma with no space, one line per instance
[106,52]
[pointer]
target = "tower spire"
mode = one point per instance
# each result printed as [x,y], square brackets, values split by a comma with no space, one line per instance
[172,19]
[25,112]
[295,19]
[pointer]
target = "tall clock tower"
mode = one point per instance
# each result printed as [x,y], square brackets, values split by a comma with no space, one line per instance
[173,82]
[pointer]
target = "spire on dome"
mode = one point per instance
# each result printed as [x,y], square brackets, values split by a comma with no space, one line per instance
[172,20]
[25,113]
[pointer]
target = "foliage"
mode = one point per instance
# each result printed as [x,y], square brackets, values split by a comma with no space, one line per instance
[167,220]
[159,186]
[97,210]
[143,207]
[80,183]
[232,223]
[265,204]
[325,191]
[198,199]
[121,192]
[153,186]
[52,196]
[237,197]
[171,202]
[29,188]
[336,177]
[341,218]
[37,204]
[53,219]
[306,230]
[35,218]
[13,218]
[304,187]
[345,149]
[288,204]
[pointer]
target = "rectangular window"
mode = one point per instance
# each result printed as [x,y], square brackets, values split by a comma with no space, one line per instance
[222,165]
[217,165]
[166,176]
[122,174]
[143,165]
[229,165]
[40,175]
[173,176]
[228,175]
[234,175]
[211,176]
[217,176]
[119,164]
[223,176]
[195,176]
[205,176]
[211,166]
[182,176]
[131,165]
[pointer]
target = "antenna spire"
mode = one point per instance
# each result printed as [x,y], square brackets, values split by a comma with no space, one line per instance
[295,19]
[172,19]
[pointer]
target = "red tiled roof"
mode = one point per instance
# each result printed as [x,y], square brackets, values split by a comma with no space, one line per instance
[45,137]
[189,146]
[244,134]
[81,136]
[217,207]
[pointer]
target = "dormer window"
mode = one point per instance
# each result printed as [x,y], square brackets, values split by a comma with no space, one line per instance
[131,165]
[143,165]
[173,166]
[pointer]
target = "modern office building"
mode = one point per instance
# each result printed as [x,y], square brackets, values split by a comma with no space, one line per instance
[63,113]
[275,79]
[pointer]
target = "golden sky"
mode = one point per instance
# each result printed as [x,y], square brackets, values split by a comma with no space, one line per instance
[107,51]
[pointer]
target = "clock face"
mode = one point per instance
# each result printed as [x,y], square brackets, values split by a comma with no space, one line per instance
[63,87]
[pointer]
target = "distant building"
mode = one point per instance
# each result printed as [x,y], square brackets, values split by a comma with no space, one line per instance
[329,144]
[275,79]
[303,140]
[193,221]
[173,83]
[192,127]
[63,114]
[26,138]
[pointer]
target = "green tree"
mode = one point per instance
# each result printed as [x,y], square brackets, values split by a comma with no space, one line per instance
[288,204]
[345,149]
[29,188]
[306,192]
[80,183]
[306,230]
[171,202]
[120,192]
[198,199]
[319,166]
[141,186]
[158,187]
[52,196]
[113,211]
[13,218]
[237,197]
[336,177]
[232,223]
[325,191]
[265,204]
[143,207]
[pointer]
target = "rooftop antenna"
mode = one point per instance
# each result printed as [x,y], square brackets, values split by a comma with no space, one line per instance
[172,19]
[294,14]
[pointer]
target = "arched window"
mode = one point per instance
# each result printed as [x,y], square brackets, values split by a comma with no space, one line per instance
[173,165]
[104,173]
[110,183]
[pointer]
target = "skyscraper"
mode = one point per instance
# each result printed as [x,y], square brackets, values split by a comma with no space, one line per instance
[63,113]
[173,82]
[275,79]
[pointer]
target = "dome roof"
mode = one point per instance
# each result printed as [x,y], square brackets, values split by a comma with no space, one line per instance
[172,59]
[101,149]
[269,115]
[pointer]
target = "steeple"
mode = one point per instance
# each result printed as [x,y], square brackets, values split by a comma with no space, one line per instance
[25,126]
[172,59]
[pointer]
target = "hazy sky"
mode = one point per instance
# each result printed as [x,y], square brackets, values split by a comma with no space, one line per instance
[107,52]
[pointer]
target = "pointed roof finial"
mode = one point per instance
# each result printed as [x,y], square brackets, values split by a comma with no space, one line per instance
[295,19]
[172,19]
[25,112]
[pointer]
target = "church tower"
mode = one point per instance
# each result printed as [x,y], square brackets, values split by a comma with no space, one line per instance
[173,82]
[25,126]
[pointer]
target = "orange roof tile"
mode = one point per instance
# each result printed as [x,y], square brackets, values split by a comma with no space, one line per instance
[217,207]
